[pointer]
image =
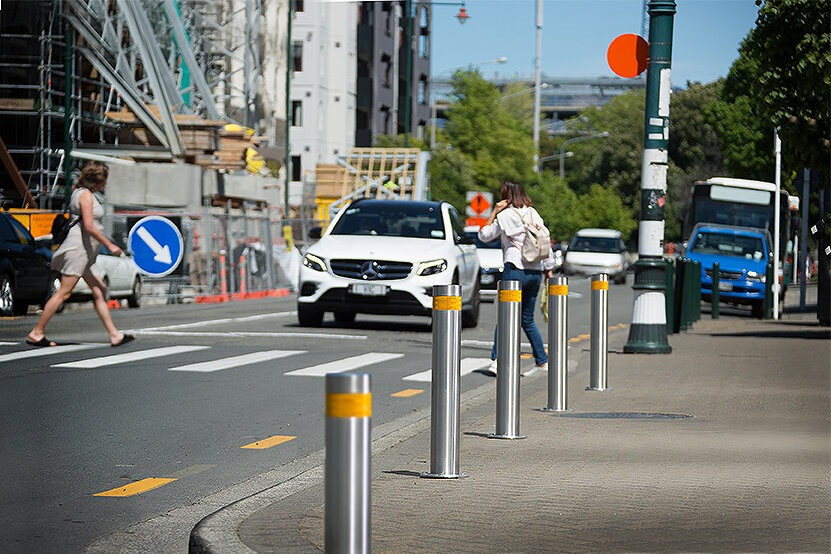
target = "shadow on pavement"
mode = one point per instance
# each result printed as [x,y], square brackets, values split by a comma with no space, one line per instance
[810,334]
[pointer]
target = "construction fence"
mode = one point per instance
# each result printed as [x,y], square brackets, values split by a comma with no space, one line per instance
[228,254]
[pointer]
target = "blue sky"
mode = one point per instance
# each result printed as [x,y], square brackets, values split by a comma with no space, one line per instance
[576,34]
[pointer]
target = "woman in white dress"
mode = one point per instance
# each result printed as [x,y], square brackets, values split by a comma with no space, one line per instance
[75,257]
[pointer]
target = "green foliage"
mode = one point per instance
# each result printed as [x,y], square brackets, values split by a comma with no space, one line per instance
[397,141]
[614,161]
[480,128]
[451,176]
[784,72]
[557,205]
[601,207]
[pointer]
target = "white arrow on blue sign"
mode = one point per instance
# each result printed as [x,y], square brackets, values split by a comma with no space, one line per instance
[156,244]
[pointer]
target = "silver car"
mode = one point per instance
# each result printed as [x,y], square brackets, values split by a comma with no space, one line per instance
[594,251]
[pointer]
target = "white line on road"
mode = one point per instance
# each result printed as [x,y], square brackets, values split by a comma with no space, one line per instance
[46,351]
[132,356]
[235,361]
[8,343]
[215,321]
[468,365]
[346,364]
[489,343]
[250,334]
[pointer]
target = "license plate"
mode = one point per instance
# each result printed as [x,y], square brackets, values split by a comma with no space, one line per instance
[368,289]
[725,286]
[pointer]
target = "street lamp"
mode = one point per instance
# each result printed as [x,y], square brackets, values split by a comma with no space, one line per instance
[554,157]
[501,59]
[604,134]
[523,91]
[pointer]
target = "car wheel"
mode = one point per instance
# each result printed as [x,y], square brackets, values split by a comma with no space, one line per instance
[309,316]
[620,279]
[6,296]
[344,317]
[134,300]
[470,316]
[757,310]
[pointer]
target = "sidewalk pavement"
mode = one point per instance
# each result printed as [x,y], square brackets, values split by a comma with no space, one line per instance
[747,470]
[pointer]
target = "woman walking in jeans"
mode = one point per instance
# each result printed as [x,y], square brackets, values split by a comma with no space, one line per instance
[507,222]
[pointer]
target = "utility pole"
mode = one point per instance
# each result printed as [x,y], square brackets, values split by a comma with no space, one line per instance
[648,332]
[537,78]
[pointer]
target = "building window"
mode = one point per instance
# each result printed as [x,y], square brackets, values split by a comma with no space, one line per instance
[297,55]
[386,62]
[296,113]
[423,46]
[363,68]
[422,91]
[365,13]
[296,168]
[298,5]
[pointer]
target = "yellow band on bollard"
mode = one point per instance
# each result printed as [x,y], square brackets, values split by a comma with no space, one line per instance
[558,290]
[341,404]
[447,303]
[600,285]
[510,296]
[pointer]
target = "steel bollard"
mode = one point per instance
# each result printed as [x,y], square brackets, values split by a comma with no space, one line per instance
[509,298]
[715,296]
[768,303]
[444,411]
[347,509]
[598,377]
[669,296]
[557,346]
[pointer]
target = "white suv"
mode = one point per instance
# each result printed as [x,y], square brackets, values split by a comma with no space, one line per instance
[383,257]
[594,251]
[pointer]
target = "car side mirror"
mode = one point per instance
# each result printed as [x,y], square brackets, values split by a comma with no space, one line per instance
[315,232]
[464,239]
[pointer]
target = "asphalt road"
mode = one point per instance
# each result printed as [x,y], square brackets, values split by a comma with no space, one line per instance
[207,397]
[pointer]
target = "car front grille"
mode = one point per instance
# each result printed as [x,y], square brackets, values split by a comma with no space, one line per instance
[733,275]
[371,270]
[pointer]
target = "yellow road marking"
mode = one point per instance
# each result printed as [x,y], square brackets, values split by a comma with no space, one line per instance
[526,356]
[137,488]
[269,442]
[407,393]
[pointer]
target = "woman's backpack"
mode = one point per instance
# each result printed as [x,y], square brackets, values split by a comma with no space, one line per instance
[537,245]
[61,226]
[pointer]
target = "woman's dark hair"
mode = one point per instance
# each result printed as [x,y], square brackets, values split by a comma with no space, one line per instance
[94,173]
[515,194]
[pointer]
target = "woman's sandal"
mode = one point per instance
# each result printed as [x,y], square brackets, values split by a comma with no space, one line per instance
[124,340]
[41,343]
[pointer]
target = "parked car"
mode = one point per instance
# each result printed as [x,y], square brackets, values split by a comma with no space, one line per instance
[594,251]
[25,273]
[742,254]
[490,262]
[383,257]
[120,275]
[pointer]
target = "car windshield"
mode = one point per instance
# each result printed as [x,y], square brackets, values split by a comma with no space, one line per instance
[741,246]
[608,245]
[393,219]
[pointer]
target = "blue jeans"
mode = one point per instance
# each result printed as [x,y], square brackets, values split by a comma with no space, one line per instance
[530,283]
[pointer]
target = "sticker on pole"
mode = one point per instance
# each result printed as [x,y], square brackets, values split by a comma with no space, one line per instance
[156,245]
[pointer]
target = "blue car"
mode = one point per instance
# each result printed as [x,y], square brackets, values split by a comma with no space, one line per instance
[742,254]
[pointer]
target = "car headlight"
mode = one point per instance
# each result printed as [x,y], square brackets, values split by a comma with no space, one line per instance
[431,268]
[754,276]
[313,262]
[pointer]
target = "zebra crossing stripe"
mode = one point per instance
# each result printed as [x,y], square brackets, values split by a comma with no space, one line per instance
[92,363]
[346,364]
[468,365]
[235,361]
[46,351]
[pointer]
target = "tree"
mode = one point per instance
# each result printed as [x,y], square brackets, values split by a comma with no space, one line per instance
[784,70]
[601,207]
[451,176]
[557,205]
[499,146]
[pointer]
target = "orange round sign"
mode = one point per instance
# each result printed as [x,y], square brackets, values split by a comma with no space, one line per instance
[627,55]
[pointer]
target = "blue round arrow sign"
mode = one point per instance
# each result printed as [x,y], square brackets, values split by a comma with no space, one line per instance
[156,245]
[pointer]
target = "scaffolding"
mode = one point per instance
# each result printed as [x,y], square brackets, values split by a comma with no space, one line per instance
[66,66]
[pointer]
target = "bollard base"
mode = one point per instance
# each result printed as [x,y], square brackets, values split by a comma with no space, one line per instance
[428,475]
[554,410]
[598,389]
[506,437]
